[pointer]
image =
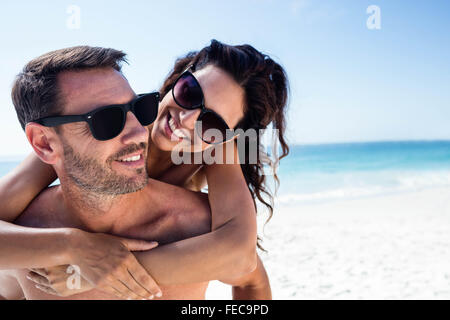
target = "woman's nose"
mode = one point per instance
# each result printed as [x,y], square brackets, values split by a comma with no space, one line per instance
[188,118]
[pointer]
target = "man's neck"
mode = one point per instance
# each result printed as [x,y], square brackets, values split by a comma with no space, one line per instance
[97,212]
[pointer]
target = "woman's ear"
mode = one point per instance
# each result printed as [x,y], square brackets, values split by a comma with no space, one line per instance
[43,141]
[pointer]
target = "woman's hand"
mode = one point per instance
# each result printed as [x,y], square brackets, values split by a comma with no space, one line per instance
[58,280]
[106,263]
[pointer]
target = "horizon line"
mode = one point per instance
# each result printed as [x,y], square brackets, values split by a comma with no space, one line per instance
[18,157]
[366,141]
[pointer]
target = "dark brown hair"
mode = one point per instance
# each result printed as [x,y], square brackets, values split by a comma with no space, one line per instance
[35,91]
[266,93]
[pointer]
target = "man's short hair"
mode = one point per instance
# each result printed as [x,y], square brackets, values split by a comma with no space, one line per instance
[35,91]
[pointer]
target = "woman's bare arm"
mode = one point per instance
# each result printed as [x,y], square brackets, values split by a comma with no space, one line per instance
[252,286]
[22,247]
[228,251]
[27,247]
[19,187]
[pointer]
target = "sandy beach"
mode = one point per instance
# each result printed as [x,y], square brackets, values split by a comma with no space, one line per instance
[386,247]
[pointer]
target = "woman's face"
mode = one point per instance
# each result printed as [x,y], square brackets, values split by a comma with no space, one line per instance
[222,95]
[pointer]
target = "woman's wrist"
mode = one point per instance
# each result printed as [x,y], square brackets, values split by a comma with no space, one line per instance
[65,253]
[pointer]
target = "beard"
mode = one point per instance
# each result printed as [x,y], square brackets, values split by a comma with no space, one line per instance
[94,177]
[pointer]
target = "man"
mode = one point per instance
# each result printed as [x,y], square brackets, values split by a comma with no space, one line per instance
[104,184]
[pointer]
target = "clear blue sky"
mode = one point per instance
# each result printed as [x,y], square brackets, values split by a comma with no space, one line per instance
[348,83]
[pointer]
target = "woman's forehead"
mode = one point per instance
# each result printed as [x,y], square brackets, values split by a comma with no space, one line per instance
[222,94]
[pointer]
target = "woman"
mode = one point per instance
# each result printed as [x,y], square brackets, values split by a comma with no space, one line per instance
[241,88]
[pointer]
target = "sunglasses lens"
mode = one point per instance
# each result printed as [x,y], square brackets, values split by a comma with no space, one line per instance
[214,129]
[146,109]
[187,91]
[107,123]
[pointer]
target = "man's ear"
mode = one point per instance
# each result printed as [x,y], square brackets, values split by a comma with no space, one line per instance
[43,141]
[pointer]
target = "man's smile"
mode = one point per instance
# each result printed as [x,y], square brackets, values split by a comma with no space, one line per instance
[134,160]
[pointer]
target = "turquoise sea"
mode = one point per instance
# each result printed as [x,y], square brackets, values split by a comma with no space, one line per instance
[317,173]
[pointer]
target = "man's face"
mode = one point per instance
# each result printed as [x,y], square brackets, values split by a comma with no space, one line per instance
[111,167]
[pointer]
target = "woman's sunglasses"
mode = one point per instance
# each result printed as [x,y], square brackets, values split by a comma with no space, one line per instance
[108,122]
[188,94]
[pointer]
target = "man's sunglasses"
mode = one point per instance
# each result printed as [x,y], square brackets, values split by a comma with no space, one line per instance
[108,122]
[188,94]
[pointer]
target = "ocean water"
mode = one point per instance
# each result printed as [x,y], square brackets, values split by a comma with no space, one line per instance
[318,173]
[327,172]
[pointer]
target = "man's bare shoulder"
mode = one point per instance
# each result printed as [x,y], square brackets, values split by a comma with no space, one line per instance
[42,210]
[176,194]
[177,213]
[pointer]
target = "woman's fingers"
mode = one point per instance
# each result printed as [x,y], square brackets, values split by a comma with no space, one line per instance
[137,245]
[40,271]
[105,259]
[137,288]
[46,289]
[113,291]
[38,279]
[142,278]
[126,292]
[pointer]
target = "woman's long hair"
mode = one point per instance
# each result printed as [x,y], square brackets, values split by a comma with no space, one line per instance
[266,93]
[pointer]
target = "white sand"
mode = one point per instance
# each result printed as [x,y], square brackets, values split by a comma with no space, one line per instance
[389,247]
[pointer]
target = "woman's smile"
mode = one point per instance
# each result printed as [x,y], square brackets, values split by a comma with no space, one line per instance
[173,129]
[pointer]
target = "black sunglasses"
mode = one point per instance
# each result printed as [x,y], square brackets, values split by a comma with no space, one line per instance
[188,94]
[108,122]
